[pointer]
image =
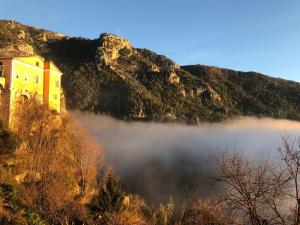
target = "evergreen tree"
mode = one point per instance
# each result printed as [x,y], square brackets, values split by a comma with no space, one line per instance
[109,200]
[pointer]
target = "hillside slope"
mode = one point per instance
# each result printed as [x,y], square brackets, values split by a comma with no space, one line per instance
[108,75]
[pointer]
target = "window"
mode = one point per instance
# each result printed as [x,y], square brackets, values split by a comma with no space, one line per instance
[17,74]
[36,79]
[26,77]
[57,83]
[55,97]
[37,63]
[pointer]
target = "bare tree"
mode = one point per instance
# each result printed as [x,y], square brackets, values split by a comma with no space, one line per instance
[290,156]
[267,192]
[59,166]
[254,189]
[89,159]
[4,106]
[206,212]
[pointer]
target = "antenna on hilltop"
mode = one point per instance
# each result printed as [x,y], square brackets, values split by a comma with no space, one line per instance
[118,31]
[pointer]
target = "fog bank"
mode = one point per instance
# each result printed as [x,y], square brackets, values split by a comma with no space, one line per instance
[159,160]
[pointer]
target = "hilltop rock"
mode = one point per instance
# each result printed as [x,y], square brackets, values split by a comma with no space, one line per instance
[10,23]
[109,49]
[118,53]
[49,36]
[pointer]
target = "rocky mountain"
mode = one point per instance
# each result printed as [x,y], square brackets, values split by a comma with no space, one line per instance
[110,76]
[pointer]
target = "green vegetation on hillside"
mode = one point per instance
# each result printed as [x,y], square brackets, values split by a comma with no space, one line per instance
[109,76]
[252,93]
[127,89]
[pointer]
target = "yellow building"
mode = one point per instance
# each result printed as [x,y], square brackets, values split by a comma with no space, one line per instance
[30,75]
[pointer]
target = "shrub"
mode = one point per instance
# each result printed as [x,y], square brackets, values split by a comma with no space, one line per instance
[59,167]
[205,212]
[7,139]
[109,200]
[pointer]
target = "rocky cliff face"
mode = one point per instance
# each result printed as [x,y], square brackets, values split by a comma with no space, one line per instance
[160,61]
[108,75]
[117,52]
[21,40]
[109,49]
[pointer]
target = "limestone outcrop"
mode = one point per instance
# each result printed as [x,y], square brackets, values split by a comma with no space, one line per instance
[22,34]
[109,48]
[162,62]
[173,78]
[25,49]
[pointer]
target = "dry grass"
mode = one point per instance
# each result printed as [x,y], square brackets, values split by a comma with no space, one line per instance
[59,167]
[206,212]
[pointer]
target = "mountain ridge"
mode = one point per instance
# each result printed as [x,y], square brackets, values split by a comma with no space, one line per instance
[110,76]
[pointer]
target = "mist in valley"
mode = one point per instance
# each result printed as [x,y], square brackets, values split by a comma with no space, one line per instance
[159,161]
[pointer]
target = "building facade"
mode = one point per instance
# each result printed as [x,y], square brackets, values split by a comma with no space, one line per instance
[27,76]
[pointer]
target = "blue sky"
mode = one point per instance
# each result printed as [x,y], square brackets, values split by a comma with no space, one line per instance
[248,35]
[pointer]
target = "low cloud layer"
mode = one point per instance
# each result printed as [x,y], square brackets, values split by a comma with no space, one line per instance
[161,160]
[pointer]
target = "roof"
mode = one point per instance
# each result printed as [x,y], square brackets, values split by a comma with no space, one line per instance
[10,52]
[12,56]
[52,64]
[40,57]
